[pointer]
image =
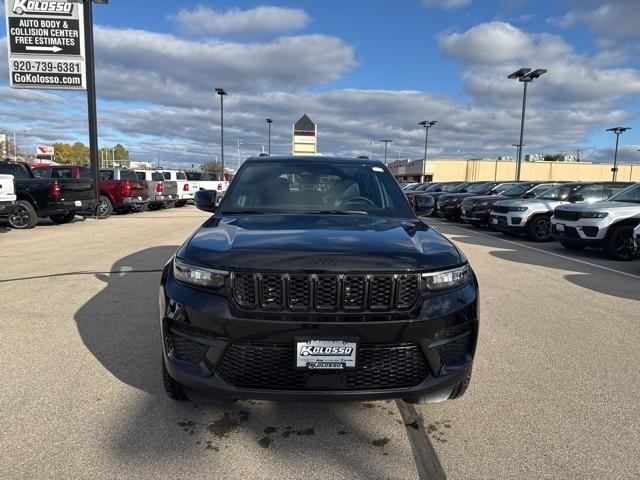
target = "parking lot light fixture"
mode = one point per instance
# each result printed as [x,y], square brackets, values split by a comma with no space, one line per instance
[617,131]
[386,144]
[524,75]
[222,92]
[427,124]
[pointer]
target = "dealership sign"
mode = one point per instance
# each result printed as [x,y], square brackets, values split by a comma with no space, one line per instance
[46,44]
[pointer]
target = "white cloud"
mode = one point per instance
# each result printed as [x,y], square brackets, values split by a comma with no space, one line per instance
[446,4]
[255,21]
[492,42]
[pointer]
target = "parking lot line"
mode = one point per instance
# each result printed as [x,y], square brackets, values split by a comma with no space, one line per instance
[511,242]
[425,457]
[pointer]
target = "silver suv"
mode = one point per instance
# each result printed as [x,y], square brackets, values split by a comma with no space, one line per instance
[533,216]
[608,225]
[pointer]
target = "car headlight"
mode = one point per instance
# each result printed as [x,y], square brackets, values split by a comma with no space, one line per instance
[446,279]
[518,209]
[594,214]
[197,275]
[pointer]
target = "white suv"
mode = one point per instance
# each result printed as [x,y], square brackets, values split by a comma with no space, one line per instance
[608,225]
[533,216]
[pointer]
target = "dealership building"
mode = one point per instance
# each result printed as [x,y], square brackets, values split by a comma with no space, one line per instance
[442,170]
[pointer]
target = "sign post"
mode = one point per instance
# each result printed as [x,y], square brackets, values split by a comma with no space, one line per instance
[50,46]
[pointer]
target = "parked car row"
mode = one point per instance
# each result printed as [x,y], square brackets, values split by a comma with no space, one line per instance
[61,192]
[602,215]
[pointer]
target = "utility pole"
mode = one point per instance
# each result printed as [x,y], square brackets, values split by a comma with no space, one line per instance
[15,147]
[578,154]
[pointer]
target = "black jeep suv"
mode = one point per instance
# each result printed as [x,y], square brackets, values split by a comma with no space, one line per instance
[315,280]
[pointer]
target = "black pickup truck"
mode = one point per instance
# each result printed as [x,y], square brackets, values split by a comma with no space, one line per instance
[315,280]
[60,199]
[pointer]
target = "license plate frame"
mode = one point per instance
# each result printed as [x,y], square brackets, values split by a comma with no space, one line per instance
[336,362]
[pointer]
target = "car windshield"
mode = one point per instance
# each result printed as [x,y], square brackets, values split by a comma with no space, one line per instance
[315,187]
[630,195]
[517,190]
[426,187]
[455,187]
[480,188]
[558,193]
[539,190]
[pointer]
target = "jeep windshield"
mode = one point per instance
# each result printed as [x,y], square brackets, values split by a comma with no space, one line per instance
[321,187]
[559,193]
[630,195]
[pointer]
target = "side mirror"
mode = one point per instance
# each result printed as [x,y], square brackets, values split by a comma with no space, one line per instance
[206,200]
[423,205]
[575,198]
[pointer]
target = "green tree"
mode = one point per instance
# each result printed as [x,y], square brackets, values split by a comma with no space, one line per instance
[63,153]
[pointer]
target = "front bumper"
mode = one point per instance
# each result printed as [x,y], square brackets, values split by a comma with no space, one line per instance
[475,215]
[6,208]
[508,223]
[211,347]
[449,210]
[589,232]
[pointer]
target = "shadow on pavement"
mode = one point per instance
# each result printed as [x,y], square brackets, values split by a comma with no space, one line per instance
[586,276]
[120,327]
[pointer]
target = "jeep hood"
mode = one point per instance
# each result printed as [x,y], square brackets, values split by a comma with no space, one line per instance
[319,243]
[602,206]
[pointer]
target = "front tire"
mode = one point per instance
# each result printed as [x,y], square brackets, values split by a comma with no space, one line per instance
[619,244]
[539,228]
[104,208]
[174,390]
[63,218]
[24,216]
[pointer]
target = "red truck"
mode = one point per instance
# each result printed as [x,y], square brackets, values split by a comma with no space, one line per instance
[120,190]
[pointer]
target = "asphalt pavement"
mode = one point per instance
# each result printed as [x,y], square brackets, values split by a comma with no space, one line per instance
[554,393]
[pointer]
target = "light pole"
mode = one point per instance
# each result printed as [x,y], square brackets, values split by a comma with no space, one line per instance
[239,143]
[269,122]
[386,144]
[370,149]
[617,131]
[222,92]
[427,124]
[524,75]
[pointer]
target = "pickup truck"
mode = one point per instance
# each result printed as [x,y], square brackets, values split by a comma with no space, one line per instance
[607,224]
[208,181]
[60,199]
[122,192]
[162,193]
[118,191]
[186,189]
[7,195]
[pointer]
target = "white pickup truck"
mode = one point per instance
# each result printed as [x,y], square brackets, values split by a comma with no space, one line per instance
[7,195]
[186,189]
[209,181]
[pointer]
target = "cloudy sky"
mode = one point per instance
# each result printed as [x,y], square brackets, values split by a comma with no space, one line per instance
[361,70]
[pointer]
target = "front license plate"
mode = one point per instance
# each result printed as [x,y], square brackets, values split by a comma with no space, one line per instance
[78,203]
[140,198]
[560,227]
[314,354]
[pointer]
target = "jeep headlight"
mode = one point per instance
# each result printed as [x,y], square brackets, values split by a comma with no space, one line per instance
[446,279]
[518,209]
[197,275]
[594,214]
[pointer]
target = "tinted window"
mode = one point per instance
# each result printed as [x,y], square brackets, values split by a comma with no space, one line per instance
[305,187]
[181,176]
[61,173]
[540,190]
[454,187]
[41,172]
[193,176]
[157,177]
[15,169]
[141,175]
[611,189]
[166,175]
[500,189]
[631,195]
[559,193]
[106,174]
[84,172]
[128,175]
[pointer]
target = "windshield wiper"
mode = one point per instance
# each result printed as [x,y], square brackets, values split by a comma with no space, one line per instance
[335,212]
